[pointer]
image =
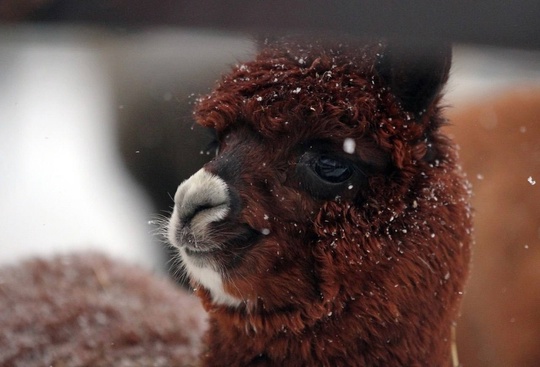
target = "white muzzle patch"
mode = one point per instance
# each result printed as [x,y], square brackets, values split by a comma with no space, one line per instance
[199,201]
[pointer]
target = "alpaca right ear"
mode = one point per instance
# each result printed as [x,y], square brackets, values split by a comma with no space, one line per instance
[415,73]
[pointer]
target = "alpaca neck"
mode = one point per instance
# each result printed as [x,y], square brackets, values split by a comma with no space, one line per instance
[238,338]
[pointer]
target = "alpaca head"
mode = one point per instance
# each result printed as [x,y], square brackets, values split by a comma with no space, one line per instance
[332,189]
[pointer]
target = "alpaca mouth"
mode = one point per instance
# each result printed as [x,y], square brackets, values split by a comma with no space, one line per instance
[223,245]
[195,244]
[197,252]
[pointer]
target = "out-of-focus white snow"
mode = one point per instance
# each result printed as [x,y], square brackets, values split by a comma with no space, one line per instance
[479,73]
[62,186]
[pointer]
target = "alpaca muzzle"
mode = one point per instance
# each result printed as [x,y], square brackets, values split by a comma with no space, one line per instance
[199,201]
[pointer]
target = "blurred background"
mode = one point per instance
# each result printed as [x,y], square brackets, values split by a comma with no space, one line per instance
[96,130]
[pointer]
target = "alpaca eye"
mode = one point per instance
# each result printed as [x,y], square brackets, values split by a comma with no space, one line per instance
[326,175]
[332,170]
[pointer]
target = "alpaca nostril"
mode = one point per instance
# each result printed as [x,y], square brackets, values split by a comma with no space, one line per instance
[187,217]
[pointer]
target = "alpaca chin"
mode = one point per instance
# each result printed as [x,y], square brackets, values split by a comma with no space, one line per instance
[210,279]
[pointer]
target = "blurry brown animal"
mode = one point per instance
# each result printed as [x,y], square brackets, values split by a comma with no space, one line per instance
[86,310]
[500,148]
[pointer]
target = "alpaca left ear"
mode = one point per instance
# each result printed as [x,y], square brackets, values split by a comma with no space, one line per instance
[415,73]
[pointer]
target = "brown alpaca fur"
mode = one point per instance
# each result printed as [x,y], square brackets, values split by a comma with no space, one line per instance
[500,147]
[86,310]
[370,277]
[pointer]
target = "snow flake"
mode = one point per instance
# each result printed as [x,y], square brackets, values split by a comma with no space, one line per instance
[349,145]
[531,181]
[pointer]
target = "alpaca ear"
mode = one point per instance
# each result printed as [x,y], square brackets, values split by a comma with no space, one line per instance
[415,73]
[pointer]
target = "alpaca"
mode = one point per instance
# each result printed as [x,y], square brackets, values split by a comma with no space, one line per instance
[332,228]
[87,310]
[500,149]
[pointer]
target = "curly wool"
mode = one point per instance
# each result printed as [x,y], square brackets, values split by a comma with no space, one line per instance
[373,278]
[87,310]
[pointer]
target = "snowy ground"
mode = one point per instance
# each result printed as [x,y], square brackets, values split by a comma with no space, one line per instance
[62,184]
